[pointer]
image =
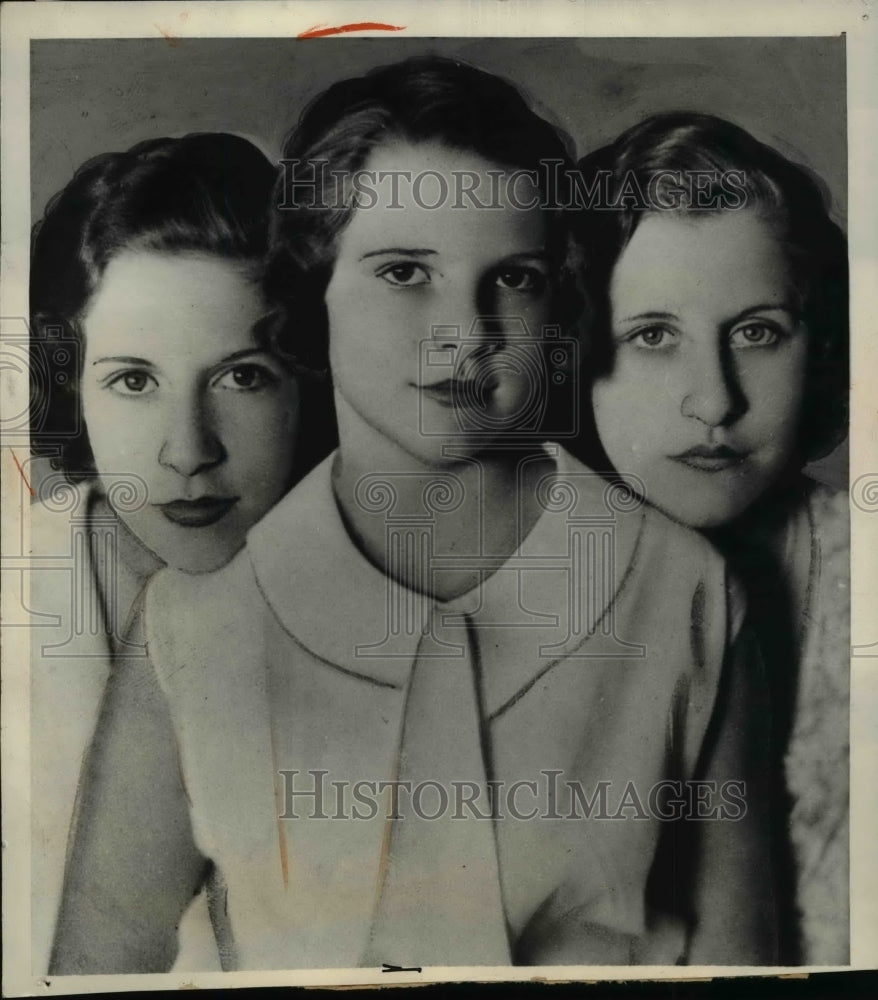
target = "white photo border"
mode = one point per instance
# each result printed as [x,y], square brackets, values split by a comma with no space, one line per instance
[23,22]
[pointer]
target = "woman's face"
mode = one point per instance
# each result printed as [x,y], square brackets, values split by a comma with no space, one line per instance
[177,392]
[409,282]
[704,399]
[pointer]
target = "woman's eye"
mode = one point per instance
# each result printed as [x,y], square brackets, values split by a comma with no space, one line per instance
[652,336]
[132,384]
[755,335]
[245,378]
[521,279]
[405,275]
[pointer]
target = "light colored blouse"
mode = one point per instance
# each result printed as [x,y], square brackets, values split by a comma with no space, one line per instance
[814,549]
[793,555]
[600,647]
[84,570]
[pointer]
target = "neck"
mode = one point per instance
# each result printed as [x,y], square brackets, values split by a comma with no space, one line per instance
[466,506]
[133,566]
[765,520]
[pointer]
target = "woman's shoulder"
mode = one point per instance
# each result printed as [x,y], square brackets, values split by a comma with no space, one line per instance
[191,617]
[829,515]
[830,529]
[812,534]
[655,549]
[817,755]
[176,594]
[660,536]
[60,505]
[51,553]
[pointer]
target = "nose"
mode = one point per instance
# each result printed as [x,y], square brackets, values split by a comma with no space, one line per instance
[469,321]
[713,396]
[454,315]
[191,443]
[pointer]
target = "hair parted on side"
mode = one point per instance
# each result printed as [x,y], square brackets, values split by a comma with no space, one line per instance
[205,193]
[736,171]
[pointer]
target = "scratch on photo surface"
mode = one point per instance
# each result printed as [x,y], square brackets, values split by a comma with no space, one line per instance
[320,31]
[21,473]
[281,835]
[284,860]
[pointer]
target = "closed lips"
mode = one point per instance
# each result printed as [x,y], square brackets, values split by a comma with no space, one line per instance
[710,458]
[197,513]
[465,392]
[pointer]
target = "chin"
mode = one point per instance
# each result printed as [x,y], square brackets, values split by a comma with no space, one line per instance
[444,454]
[205,562]
[708,501]
[192,550]
[440,450]
[703,516]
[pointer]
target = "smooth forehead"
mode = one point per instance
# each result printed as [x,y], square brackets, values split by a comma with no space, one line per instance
[419,203]
[163,293]
[718,261]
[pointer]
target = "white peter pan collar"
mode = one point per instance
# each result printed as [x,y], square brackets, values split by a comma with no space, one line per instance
[334,602]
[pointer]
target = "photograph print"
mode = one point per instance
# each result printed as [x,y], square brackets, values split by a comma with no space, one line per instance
[435,472]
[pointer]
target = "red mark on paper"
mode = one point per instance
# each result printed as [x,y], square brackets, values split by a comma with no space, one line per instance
[21,472]
[172,40]
[318,31]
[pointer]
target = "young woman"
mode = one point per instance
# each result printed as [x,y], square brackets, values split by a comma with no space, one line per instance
[172,423]
[469,733]
[720,368]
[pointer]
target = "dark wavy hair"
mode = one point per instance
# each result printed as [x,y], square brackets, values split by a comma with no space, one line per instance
[738,170]
[204,193]
[418,100]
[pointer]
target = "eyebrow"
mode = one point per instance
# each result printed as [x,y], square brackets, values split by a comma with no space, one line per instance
[407,251]
[767,307]
[648,315]
[762,307]
[244,353]
[124,360]
[144,363]
[540,255]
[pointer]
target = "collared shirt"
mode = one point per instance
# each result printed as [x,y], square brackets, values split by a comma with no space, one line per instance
[84,570]
[601,642]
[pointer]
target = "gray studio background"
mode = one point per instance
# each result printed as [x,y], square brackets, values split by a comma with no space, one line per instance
[91,96]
